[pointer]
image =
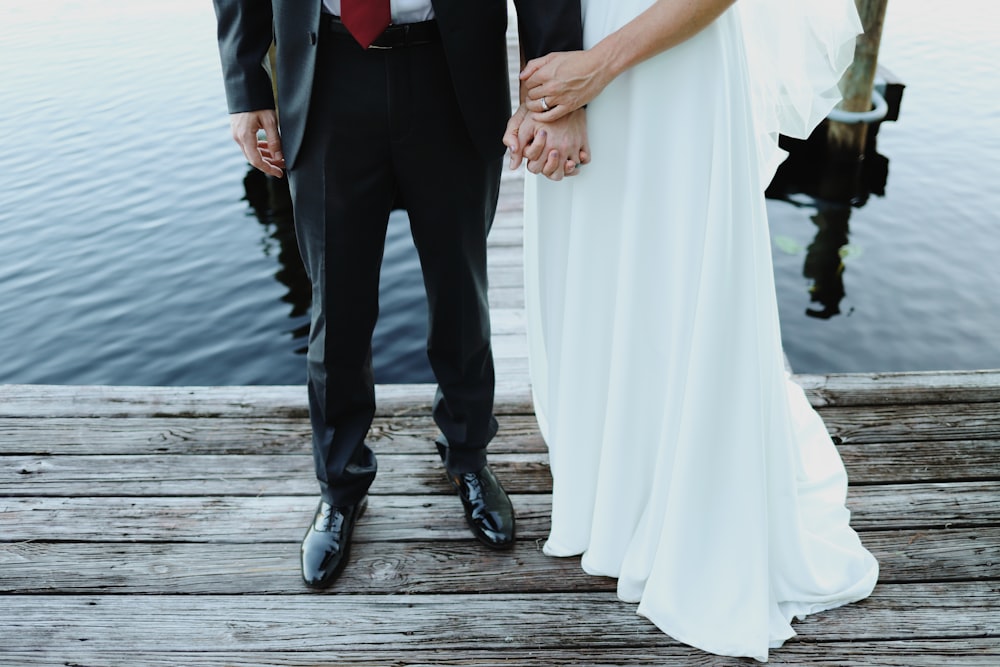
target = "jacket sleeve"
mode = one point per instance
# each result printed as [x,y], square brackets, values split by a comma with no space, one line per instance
[245,31]
[545,26]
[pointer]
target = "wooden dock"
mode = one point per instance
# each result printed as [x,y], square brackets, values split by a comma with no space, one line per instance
[127,541]
[123,542]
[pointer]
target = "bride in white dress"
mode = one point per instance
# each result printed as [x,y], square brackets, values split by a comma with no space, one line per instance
[684,461]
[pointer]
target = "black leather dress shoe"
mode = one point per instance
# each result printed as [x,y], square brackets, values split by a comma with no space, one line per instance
[327,543]
[487,508]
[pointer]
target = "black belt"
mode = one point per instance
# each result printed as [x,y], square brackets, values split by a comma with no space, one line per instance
[396,36]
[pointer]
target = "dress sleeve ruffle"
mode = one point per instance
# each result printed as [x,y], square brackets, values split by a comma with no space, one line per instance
[797,52]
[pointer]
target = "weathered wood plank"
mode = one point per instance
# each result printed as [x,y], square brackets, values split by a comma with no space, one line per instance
[504,321]
[447,622]
[40,401]
[912,388]
[289,401]
[942,460]
[211,475]
[867,462]
[505,258]
[186,473]
[46,401]
[138,436]
[506,276]
[506,236]
[932,653]
[412,567]
[936,554]
[506,297]
[513,374]
[233,519]
[511,346]
[191,568]
[510,206]
[930,505]
[419,517]
[855,425]
[909,423]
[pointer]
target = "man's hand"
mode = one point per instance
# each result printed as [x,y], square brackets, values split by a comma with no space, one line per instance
[519,132]
[264,155]
[553,149]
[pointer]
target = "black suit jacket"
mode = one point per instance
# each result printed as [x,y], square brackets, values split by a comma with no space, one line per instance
[472,31]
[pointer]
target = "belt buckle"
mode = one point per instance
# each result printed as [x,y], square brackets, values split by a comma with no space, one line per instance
[404,27]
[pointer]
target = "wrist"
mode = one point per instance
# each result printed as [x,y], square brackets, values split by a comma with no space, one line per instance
[612,57]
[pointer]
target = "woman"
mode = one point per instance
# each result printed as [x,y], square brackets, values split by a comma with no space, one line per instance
[684,461]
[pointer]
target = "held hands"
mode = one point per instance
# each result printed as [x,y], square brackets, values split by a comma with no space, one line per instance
[264,155]
[555,149]
[549,128]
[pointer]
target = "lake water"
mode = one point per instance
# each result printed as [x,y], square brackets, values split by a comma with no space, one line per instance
[132,255]
[922,264]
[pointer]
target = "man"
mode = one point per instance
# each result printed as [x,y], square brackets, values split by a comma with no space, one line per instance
[372,112]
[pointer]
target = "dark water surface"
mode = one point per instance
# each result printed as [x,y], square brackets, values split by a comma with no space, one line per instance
[130,253]
[921,265]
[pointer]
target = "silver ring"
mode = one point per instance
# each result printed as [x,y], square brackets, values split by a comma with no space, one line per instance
[545,105]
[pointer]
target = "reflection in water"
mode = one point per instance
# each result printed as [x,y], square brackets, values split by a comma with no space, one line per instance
[824,263]
[809,178]
[398,342]
[272,204]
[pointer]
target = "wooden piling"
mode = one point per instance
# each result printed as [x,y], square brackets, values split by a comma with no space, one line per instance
[847,141]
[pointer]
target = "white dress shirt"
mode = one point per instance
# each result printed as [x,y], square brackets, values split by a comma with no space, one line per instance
[403,11]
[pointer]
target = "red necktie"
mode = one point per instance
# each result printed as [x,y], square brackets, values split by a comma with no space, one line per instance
[365,19]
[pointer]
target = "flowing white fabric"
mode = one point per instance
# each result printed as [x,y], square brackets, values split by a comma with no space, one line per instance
[796,52]
[684,461]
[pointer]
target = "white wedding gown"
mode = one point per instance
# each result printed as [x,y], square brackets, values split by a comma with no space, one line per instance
[684,461]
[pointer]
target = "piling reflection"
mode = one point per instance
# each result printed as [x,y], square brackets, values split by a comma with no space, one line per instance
[824,263]
[810,179]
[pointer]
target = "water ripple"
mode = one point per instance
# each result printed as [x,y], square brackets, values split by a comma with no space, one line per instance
[130,255]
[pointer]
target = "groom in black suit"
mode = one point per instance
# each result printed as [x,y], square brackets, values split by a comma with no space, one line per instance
[371,114]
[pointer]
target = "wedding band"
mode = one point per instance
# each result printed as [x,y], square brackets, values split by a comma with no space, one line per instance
[545,105]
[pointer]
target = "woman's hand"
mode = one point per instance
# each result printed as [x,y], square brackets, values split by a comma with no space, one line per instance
[563,82]
[560,83]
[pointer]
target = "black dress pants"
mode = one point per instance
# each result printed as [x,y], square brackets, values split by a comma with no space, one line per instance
[382,124]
